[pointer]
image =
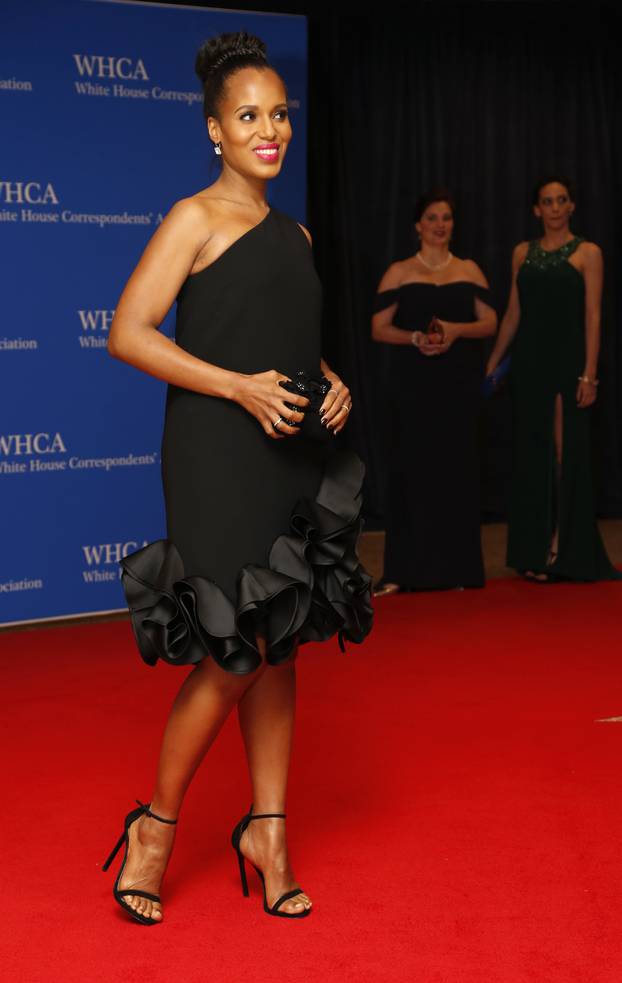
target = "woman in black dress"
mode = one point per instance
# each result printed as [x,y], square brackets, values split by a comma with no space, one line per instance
[432,310]
[262,504]
[553,323]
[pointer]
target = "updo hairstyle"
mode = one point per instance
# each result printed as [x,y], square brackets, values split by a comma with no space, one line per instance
[429,198]
[220,57]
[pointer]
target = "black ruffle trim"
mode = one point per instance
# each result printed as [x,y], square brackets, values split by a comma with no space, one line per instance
[313,588]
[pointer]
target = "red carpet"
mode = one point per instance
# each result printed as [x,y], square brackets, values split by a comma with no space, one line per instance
[455,806]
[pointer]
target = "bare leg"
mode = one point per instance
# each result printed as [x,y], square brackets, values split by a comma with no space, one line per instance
[203,703]
[558,436]
[266,715]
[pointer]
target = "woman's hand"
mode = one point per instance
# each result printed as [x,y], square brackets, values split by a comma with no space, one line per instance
[586,394]
[491,366]
[262,397]
[439,341]
[337,404]
[490,378]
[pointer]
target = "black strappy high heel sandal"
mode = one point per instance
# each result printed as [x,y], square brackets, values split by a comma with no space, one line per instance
[236,836]
[546,576]
[118,895]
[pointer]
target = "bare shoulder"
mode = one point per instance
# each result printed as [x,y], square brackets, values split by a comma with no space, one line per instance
[393,276]
[472,273]
[590,251]
[211,207]
[519,255]
[179,236]
[188,217]
[306,232]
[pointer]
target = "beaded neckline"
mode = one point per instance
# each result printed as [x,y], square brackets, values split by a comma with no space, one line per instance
[545,259]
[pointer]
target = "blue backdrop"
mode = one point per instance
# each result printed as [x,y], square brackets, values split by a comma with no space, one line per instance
[102,130]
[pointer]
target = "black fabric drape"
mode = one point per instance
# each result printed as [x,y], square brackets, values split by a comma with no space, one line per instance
[485,98]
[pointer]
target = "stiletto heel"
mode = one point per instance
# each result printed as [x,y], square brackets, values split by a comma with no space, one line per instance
[118,895]
[243,879]
[236,836]
[116,849]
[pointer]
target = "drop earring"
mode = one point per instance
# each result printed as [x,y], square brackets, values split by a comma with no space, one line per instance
[218,149]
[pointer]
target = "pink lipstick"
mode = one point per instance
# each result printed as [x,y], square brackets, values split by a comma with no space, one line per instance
[268,152]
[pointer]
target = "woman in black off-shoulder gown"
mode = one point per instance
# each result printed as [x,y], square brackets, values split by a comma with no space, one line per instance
[262,501]
[432,310]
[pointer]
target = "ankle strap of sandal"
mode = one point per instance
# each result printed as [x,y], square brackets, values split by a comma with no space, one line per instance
[268,815]
[147,812]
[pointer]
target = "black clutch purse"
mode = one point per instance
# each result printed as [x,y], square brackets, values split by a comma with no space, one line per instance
[315,389]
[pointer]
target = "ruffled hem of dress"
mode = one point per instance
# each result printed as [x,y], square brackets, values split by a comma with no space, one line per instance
[313,588]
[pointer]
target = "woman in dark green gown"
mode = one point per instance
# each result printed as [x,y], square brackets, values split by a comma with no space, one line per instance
[553,317]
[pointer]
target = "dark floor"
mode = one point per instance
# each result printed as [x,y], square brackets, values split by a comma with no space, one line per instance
[493,541]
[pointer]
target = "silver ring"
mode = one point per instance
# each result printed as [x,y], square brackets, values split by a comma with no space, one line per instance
[275,425]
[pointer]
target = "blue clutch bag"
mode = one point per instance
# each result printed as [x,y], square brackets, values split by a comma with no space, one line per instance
[493,381]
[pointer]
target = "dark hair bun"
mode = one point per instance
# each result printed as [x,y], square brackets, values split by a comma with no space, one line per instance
[431,197]
[227,50]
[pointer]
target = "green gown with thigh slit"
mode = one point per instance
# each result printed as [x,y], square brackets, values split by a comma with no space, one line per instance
[548,356]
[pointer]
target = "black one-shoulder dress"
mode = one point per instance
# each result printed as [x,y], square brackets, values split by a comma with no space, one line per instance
[431,407]
[261,533]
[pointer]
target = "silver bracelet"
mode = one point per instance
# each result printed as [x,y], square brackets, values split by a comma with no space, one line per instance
[586,378]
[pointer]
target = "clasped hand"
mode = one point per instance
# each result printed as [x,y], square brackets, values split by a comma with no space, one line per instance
[437,341]
[263,397]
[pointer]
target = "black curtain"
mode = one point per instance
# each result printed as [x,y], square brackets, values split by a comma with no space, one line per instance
[482,97]
[485,98]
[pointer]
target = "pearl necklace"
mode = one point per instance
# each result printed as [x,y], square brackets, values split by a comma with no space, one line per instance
[439,266]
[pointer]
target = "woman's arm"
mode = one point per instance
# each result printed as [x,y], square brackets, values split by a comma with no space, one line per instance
[484,325]
[144,303]
[511,318]
[593,276]
[382,328]
[147,297]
